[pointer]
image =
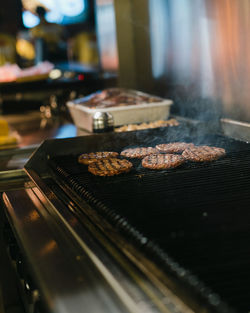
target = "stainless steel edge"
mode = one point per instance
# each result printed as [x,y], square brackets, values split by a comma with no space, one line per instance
[69,282]
[154,288]
[236,129]
[14,179]
[122,285]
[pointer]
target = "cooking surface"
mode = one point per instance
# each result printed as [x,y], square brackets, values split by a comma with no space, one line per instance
[197,213]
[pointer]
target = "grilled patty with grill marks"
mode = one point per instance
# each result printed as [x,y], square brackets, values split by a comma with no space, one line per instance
[138,152]
[162,161]
[174,147]
[203,153]
[92,157]
[110,167]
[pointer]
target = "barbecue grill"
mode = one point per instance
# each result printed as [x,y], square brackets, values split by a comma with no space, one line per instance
[146,241]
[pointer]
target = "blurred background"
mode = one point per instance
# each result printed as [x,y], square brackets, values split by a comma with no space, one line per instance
[65,23]
[194,52]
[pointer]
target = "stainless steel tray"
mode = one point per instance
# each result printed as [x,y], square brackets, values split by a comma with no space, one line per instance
[82,113]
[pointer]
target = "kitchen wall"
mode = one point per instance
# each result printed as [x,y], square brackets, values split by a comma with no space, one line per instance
[194,51]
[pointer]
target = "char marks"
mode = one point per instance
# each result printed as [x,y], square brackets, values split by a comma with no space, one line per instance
[107,164]
[174,147]
[162,161]
[110,167]
[203,153]
[92,157]
[138,152]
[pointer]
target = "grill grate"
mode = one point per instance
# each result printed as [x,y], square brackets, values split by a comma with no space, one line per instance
[199,214]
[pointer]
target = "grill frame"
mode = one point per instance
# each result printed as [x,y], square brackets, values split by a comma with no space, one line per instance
[175,271]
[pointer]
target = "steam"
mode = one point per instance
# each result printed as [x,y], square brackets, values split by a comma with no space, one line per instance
[202,60]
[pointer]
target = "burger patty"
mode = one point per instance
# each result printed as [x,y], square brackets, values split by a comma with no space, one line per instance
[139,152]
[162,161]
[92,157]
[203,153]
[110,167]
[174,147]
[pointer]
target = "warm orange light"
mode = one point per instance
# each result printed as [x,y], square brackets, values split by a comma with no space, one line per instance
[48,248]
[25,49]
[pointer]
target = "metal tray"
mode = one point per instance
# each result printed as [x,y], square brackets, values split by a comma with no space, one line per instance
[82,113]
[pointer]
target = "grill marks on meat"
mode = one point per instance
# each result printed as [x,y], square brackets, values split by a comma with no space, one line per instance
[107,164]
[203,153]
[162,161]
[110,167]
[92,157]
[175,147]
[139,152]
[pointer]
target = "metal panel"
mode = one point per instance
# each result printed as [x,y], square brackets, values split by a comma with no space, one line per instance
[67,279]
[10,180]
[198,54]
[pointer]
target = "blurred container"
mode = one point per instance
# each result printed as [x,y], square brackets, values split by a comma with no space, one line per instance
[126,106]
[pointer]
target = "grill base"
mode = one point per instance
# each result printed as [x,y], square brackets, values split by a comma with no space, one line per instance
[197,213]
